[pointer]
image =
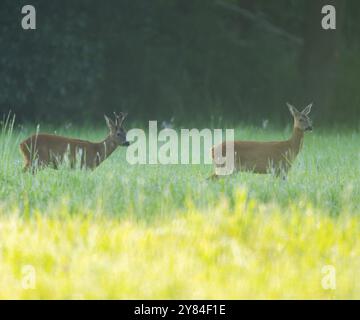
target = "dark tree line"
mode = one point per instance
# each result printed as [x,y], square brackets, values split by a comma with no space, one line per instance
[191,59]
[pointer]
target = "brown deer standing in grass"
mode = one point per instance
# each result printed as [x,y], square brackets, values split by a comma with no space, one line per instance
[267,157]
[41,150]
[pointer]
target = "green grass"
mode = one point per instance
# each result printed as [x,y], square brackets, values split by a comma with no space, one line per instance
[154,231]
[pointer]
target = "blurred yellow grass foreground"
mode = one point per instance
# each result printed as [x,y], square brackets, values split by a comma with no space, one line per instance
[249,251]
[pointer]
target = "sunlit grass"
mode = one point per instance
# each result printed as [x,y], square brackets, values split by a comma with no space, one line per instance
[157,231]
[250,251]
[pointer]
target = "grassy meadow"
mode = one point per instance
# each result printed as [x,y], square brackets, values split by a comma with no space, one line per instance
[155,231]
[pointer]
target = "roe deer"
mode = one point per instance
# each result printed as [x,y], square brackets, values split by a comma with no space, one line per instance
[267,157]
[42,150]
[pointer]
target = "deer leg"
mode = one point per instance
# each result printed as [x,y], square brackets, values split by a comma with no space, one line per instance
[26,167]
[55,164]
[29,168]
[282,174]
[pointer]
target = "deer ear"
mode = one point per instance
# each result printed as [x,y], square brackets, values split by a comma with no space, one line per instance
[307,110]
[292,109]
[109,123]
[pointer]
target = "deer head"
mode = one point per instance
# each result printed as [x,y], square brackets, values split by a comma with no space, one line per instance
[301,119]
[117,133]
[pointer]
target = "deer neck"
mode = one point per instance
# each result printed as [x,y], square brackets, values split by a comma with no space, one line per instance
[105,149]
[296,141]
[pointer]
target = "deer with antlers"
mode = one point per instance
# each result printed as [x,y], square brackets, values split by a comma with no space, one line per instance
[42,150]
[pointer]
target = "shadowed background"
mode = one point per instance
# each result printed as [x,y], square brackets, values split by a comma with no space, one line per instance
[237,60]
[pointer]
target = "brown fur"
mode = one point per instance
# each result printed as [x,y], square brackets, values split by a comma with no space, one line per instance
[268,157]
[42,150]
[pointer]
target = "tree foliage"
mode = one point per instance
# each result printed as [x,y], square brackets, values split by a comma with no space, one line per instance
[234,59]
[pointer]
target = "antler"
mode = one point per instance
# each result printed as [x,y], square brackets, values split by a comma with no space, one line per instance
[119,118]
[116,119]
